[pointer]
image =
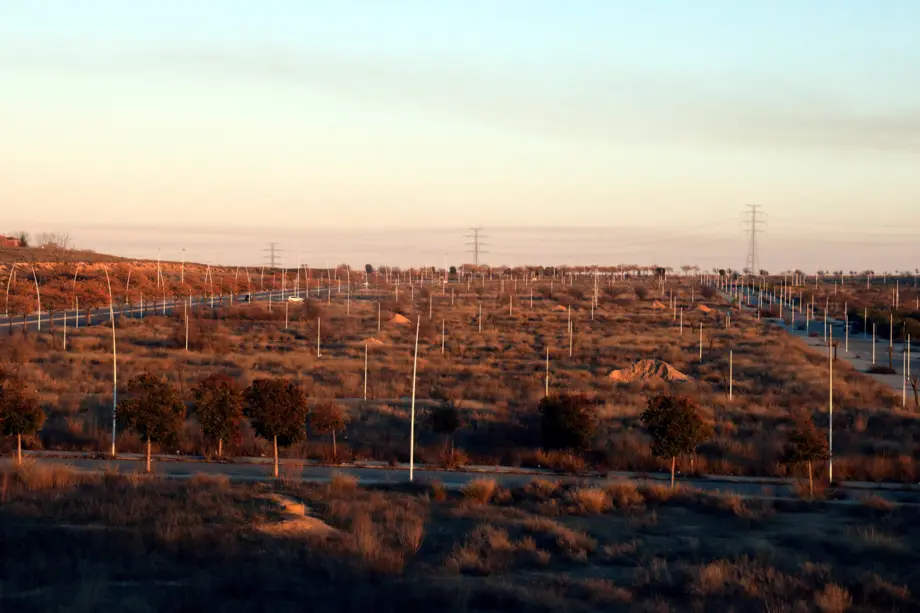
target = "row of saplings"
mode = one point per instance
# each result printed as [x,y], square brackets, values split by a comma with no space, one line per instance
[278,411]
[154,410]
[675,424]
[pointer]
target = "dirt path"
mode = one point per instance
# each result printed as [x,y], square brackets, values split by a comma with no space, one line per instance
[296,519]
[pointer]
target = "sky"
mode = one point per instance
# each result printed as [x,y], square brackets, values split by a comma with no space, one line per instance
[583,132]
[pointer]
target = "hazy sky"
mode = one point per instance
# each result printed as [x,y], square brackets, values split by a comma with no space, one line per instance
[308,118]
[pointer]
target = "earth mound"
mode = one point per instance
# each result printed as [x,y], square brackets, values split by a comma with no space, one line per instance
[648,370]
[400,320]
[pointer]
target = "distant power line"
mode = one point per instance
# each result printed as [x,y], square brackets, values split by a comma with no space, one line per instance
[476,244]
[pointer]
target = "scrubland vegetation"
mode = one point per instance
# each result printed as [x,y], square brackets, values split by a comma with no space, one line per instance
[745,399]
[495,379]
[130,542]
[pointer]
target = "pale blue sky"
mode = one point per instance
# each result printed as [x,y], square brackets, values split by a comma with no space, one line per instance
[445,114]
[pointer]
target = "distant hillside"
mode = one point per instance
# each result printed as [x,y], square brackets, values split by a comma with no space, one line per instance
[8,255]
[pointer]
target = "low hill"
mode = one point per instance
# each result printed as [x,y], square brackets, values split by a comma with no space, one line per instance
[8,255]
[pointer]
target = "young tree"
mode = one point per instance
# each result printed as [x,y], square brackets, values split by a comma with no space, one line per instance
[567,421]
[676,427]
[444,419]
[277,409]
[19,410]
[327,418]
[915,385]
[219,409]
[153,410]
[806,445]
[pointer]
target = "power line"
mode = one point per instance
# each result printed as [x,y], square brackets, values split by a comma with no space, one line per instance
[476,244]
[754,227]
[271,255]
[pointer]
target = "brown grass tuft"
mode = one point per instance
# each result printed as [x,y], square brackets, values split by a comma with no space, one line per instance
[36,476]
[833,599]
[342,482]
[438,491]
[589,501]
[480,491]
[624,495]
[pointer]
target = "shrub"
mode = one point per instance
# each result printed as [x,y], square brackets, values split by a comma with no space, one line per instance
[341,482]
[624,494]
[480,491]
[567,421]
[591,501]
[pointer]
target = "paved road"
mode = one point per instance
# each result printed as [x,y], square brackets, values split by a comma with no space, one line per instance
[858,349]
[257,469]
[100,315]
[159,307]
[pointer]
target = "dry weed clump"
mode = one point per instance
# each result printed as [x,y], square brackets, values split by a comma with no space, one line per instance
[342,483]
[206,480]
[480,491]
[625,495]
[438,491]
[541,489]
[589,501]
[600,592]
[833,599]
[489,550]
[35,476]
[616,551]
[877,503]
[572,544]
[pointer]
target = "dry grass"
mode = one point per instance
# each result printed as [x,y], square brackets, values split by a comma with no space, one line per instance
[590,500]
[625,495]
[218,481]
[878,503]
[573,544]
[480,491]
[342,483]
[493,372]
[389,548]
[438,491]
[489,550]
[833,599]
[36,476]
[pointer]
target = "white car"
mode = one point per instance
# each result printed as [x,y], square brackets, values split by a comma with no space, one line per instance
[295,299]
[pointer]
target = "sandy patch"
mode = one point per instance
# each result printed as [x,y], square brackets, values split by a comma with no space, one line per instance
[297,519]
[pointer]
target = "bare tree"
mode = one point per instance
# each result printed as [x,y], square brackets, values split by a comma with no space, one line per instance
[54,240]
